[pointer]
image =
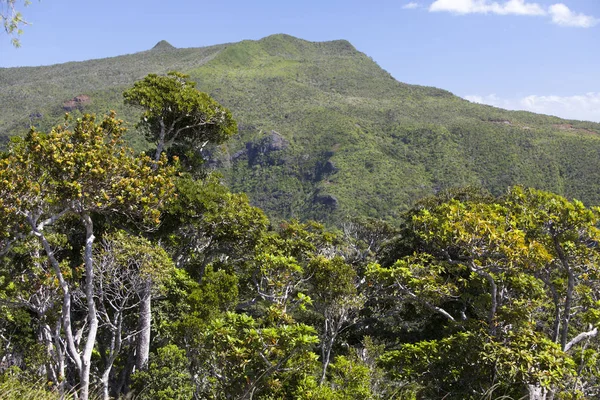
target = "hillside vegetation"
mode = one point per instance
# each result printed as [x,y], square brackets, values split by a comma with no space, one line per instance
[324,132]
[139,274]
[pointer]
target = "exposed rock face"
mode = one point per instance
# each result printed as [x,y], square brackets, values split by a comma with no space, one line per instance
[77,103]
[277,142]
[261,151]
[327,199]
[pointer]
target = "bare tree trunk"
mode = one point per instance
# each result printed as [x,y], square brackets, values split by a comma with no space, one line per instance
[92,316]
[122,384]
[145,322]
[60,356]
[43,336]
[537,392]
[556,301]
[104,383]
[326,354]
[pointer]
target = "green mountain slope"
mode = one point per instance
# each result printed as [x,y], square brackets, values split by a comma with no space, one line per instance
[326,133]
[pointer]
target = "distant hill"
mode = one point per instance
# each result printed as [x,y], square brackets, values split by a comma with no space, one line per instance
[163,45]
[325,132]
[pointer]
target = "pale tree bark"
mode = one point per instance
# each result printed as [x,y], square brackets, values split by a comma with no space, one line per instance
[537,392]
[81,360]
[338,317]
[117,293]
[92,316]
[331,332]
[145,323]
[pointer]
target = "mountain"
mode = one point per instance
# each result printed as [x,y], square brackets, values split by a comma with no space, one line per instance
[324,132]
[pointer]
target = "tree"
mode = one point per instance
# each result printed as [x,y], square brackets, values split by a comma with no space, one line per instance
[124,264]
[167,376]
[208,224]
[238,357]
[176,113]
[74,175]
[12,20]
[335,298]
[176,116]
[525,265]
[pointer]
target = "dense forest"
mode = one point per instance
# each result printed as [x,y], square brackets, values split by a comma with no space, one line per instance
[131,274]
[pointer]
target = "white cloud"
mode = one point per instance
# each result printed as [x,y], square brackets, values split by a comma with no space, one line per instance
[561,15]
[410,6]
[514,7]
[582,107]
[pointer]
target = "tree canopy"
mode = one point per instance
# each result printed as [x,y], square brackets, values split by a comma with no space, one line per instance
[124,275]
[177,114]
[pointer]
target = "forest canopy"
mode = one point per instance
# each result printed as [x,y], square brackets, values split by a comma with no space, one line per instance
[143,274]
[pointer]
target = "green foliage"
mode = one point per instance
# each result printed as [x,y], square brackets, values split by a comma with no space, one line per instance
[450,367]
[167,376]
[516,265]
[134,253]
[470,296]
[177,114]
[88,168]
[207,224]
[356,141]
[527,357]
[235,357]
[12,19]
[16,389]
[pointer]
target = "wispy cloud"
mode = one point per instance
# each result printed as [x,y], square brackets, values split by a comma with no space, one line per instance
[515,7]
[410,6]
[559,13]
[583,107]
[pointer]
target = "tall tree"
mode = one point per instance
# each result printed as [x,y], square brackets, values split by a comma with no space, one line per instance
[176,113]
[124,264]
[75,174]
[177,116]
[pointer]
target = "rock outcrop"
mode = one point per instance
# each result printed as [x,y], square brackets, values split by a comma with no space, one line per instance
[77,103]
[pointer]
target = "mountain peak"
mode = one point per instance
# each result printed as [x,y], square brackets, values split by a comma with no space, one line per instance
[163,45]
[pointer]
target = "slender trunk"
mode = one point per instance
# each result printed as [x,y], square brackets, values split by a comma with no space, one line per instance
[104,383]
[43,336]
[113,352]
[60,356]
[569,295]
[567,309]
[332,328]
[326,353]
[556,301]
[92,316]
[122,384]
[54,364]
[66,305]
[160,145]
[143,343]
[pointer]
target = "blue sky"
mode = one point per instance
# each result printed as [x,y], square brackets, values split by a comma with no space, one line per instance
[540,55]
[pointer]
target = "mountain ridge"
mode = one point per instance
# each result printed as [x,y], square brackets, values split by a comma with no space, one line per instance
[359,142]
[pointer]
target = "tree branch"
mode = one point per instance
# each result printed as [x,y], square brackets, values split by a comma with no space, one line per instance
[580,337]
